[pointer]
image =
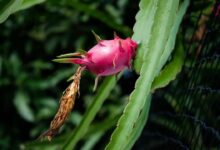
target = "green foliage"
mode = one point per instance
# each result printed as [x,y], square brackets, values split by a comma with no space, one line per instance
[8,7]
[35,83]
[22,102]
[92,11]
[29,3]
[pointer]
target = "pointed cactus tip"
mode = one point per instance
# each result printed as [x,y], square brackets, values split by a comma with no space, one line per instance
[115,34]
[98,39]
[62,60]
[69,55]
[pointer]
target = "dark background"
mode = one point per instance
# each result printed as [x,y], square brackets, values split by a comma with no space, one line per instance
[184,115]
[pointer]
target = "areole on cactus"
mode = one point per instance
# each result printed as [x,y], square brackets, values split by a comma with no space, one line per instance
[107,57]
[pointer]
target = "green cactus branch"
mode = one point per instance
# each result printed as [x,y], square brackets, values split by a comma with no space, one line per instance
[163,21]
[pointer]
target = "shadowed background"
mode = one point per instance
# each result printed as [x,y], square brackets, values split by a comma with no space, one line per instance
[183,115]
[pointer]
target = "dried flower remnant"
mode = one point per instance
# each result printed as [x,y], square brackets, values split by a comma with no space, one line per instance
[66,104]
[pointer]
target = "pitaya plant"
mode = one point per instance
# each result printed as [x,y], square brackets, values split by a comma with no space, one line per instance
[156,28]
[108,57]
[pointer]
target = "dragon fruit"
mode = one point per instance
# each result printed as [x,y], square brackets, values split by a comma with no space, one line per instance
[106,58]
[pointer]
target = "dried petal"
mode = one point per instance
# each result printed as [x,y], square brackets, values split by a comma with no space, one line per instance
[66,104]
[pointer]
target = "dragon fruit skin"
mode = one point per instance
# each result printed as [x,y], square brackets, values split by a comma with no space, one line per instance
[108,57]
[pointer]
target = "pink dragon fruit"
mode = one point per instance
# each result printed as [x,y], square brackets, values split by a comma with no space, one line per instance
[108,57]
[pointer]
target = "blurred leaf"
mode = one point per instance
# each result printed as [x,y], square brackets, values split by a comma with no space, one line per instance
[206,6]
[1,65]
[95,13]
[75,118]
[21,102]
[14,63]
[96,128]
[50,81]
[29,3]
[47,107]
[44,145]
[51,146]
[103,126]
[114,13]
[40,64]
[7,7]
[92,140]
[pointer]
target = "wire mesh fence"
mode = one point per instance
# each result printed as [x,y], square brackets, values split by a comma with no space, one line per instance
[186,115]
